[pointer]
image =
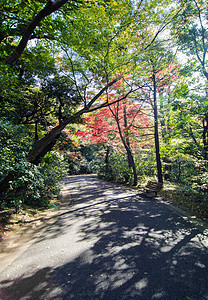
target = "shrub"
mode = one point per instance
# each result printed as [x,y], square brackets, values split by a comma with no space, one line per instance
[117,170]
[84,159]
[32,185]
[146,163]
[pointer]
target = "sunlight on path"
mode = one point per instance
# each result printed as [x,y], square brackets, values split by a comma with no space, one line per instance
[110,243]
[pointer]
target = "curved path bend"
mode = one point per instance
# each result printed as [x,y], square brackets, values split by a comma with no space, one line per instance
[108,242]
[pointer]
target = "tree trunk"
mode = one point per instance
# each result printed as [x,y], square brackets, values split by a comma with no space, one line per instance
[126,127]
[107,159]
[39,150]
[205,136]
[156,135]
[131,163]
[130,157]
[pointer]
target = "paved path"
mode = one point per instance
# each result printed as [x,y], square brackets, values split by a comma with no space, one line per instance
[110,243]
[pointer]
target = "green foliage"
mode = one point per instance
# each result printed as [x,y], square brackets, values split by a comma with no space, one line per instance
[189,30]
[182,169]
[38,61]
[84,159]
[32,185]
[181,91]
[191,173]
[77,164]
[28,188]
[8,81]
[36,185]
[200,180]
[117,169]
[14,144]
[145,163]
[187,197]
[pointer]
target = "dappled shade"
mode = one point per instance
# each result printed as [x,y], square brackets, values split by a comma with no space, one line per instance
[111,243]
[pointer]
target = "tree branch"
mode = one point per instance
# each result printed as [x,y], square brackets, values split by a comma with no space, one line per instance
[46,11]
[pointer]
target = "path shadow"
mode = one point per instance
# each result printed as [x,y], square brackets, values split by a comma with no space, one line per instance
[138,249]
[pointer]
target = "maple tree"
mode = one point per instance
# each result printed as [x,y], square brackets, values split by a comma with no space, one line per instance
[117,126]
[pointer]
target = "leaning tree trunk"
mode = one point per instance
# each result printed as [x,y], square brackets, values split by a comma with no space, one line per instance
[41,148]
[47,142]
[156,134]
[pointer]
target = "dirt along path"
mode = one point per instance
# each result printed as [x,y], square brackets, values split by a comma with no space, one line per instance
[109,242]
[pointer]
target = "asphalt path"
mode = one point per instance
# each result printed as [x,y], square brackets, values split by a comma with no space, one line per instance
[109,242]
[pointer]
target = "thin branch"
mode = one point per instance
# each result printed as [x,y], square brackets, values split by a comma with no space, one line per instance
[75,80]
[162,28]
[46,11]
[107,104]
[203,31]
[102,91]
[142,127]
